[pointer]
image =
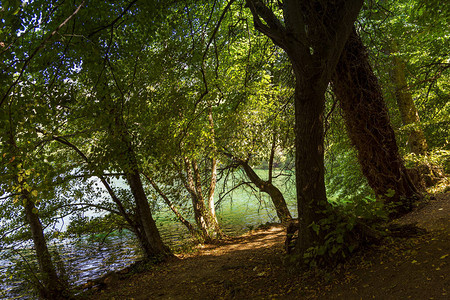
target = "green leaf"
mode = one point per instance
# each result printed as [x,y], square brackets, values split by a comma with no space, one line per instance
[315,227]
[390,193]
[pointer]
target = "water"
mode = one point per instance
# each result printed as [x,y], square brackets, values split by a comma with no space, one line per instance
[91,257]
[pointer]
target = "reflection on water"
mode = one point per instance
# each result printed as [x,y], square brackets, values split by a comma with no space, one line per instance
[90,258]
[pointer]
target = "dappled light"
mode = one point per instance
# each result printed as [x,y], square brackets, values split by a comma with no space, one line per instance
[227,149]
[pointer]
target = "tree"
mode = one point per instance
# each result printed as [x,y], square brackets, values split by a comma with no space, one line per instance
[258,132]
[88,53]
[368,124]
[25,84]
[313,35]
[417,142]
[268,187]
[50,285]
[408,38]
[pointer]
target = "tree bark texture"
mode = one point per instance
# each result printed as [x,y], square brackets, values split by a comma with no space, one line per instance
[368,125]
[309,160]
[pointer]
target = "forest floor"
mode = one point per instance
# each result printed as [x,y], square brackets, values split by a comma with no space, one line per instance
[253,266]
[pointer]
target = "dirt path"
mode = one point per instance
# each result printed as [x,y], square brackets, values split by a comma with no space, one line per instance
[252,267]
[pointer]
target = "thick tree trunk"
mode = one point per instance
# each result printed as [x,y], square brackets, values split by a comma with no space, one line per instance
[52,286]
[267,186]
[309,165]
[313,34]
[368,125]
[408,111]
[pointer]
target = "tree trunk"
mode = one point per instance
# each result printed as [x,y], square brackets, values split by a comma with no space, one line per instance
[169,203]
[200,211]
[267,186]
[213,178]
[309,165]
[133,221]
[207,224]
[155,246]
[52,286]
[313,34]
[368,125]
[408,111]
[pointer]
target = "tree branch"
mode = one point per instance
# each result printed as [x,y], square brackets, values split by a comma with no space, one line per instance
[274,28]
[41,45]
[115,20]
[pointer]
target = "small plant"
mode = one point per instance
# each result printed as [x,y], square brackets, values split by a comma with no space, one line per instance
[344,230]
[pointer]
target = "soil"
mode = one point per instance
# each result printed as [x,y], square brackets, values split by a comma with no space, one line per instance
[253,266]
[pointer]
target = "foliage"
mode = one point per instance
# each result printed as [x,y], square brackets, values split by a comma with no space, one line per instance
[344,180]
[347,228]
[437,157]
[84,85]
[422,43]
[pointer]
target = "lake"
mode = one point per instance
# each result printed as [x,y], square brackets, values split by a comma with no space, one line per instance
[90,257]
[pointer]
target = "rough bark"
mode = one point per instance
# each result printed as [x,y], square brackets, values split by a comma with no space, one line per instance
[368,125]
[417,142]
[311,197]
